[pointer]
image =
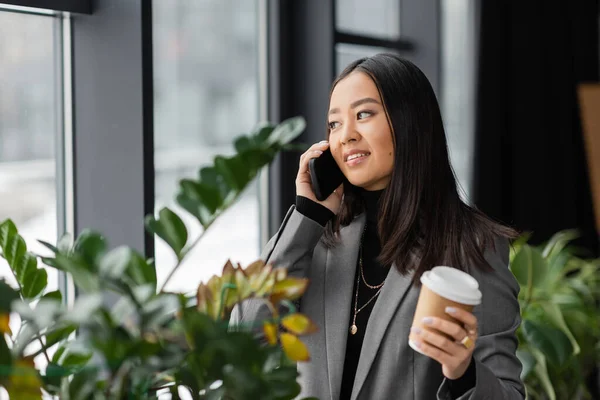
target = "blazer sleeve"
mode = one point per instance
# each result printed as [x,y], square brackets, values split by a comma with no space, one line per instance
[292,247]
[497,368]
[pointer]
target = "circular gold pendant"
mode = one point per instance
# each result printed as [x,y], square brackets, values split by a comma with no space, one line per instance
[353,329]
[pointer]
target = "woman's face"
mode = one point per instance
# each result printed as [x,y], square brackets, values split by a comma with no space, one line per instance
[360,136]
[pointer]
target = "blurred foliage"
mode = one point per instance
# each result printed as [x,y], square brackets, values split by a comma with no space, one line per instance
[148,339]
[559,338]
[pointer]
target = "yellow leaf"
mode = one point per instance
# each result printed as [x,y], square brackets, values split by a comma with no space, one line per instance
[215,285]
[267,286]
[258,279]
[299,324]
[203,299]
[228,273]
[5,324]
[231,298]
[243,286]
[289,289]
[294,348]
[254,268]
[24,382]
[270,332]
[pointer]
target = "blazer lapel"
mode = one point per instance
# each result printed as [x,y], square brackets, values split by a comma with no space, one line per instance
[394,291]
[339,281]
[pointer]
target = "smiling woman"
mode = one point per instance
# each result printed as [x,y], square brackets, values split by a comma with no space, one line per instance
[364,251]
[359,133]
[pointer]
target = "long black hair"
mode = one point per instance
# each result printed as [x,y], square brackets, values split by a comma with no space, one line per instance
[422,220]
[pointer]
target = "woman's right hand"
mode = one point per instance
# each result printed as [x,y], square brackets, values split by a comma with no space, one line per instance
[304,183]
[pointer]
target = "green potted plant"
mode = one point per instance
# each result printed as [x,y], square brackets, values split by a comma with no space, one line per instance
[150,340]
[559,337]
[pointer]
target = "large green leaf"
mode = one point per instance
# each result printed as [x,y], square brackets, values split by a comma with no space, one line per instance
[58,333]
[541,371]
[83,385]
[527,360]
[42,316]
[53,377]
[209,176]
[243,143]
[554,314]
[287,131]
[208,195]
[241,383]
[233,171]
[518,243]
[32,280]
[552,342]
[262,135]
[34,283]
[170,228]
[83,276]
[7,296]
[91,246]
[197,209]
[558,242]
[54,295]
[84,308]
[529,267]
[124,261]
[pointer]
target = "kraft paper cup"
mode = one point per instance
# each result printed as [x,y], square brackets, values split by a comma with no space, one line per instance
[444,287]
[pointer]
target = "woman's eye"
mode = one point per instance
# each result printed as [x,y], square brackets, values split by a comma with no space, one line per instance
[364,114]
[333,124]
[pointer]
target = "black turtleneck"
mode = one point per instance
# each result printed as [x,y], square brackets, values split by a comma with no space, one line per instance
[374,274]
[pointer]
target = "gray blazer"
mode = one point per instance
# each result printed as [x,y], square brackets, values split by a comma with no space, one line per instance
[388,367]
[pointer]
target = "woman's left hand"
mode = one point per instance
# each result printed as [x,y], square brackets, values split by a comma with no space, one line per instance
[455,356]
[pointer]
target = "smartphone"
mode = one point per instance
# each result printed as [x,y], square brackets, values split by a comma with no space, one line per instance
[325,175]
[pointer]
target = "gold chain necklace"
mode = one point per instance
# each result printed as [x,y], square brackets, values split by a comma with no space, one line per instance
[353,327]
[362,275]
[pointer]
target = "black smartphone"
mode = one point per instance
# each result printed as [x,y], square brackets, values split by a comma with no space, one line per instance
[325,175]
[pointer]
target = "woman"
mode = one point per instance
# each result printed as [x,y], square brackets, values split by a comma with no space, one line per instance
[364,248]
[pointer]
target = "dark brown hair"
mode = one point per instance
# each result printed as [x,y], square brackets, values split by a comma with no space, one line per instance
[422,220]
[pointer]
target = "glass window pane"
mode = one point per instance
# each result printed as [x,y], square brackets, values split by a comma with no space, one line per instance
[346,53]
[206,93]
[458,85]
[28,124]
[371,18]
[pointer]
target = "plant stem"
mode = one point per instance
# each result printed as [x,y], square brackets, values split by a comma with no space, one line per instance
[176,267]
[226,206]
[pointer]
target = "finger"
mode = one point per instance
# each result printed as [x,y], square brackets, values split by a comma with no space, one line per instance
[339,191]
[306,158]
[449,328]
[433,352]
[313,152]
[322,146]
[468,319]
[439,341]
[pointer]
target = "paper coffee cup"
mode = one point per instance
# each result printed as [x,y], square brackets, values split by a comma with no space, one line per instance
[444,287]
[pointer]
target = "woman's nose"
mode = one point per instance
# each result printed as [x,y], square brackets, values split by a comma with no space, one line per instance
[349,133]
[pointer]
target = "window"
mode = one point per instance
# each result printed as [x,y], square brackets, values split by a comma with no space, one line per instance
[206,92]
[29,124]
[362,30]
[375,18]
[458,85]
[30,129]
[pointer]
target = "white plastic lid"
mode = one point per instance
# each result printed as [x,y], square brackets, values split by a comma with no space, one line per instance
[453,284]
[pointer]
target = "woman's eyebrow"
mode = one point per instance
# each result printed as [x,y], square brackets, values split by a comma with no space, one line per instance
[356,104]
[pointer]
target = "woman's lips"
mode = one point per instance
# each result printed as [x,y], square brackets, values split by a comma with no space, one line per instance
[356,159]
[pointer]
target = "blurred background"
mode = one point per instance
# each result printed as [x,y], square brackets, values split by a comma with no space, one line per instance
[104,106]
